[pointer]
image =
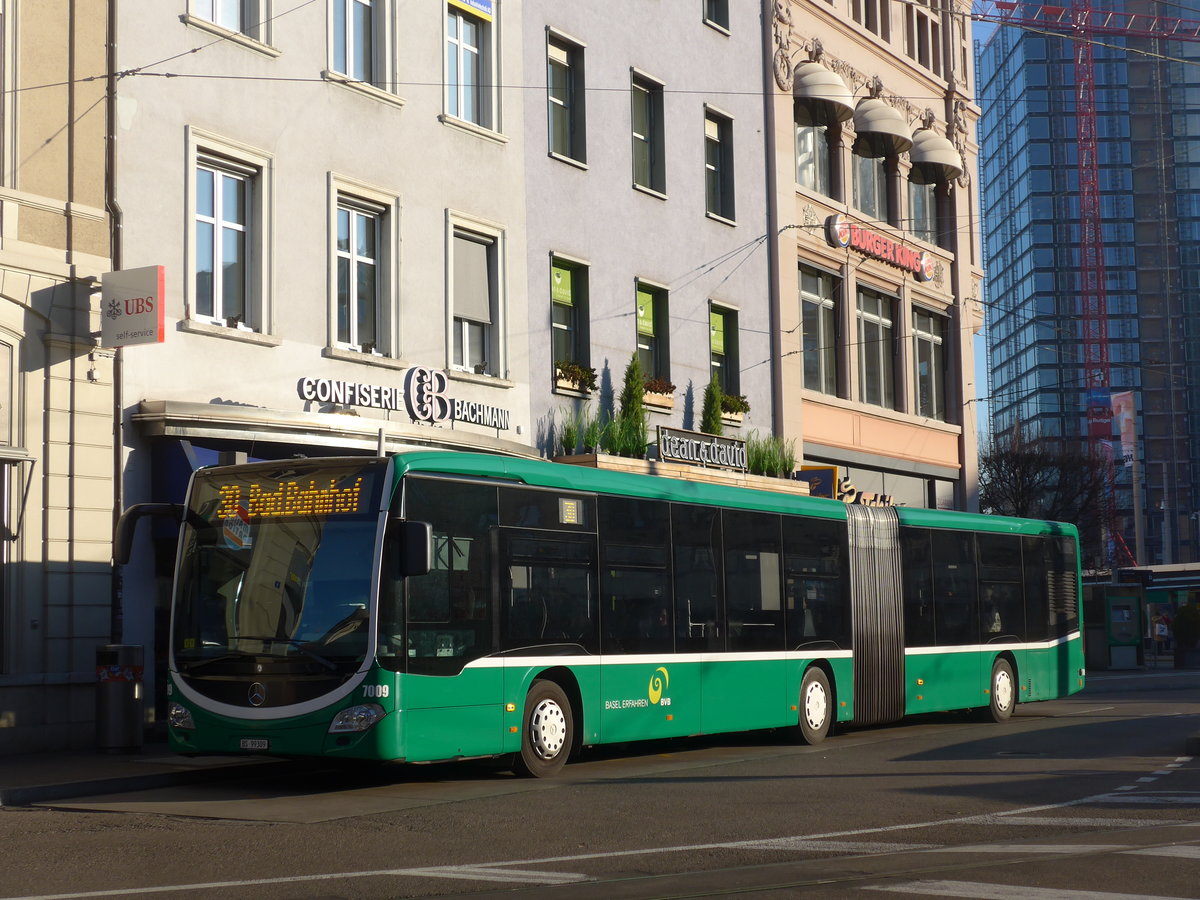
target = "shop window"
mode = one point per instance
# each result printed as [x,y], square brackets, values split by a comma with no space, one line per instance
[876,350]
[565,99]
[469,92]
[819,327]
[653,345]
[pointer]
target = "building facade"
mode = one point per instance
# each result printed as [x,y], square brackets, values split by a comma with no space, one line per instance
[1146,152]
[56,392]
[875,216]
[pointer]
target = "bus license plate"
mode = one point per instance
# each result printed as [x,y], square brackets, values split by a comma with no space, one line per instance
[255,744]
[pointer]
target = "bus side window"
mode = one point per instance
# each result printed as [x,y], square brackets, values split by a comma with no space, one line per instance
[753,595]
[634,576]
[818,600]
[699,617]
[917,554]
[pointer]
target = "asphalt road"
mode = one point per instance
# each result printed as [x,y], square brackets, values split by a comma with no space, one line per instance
[1091,797]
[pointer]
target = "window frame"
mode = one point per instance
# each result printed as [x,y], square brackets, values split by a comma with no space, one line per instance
[494,237]
[380,69]
[255,20]
[827,316]
[727,368]
[816,137]
[716,14]
[578,331]
[207,150]
[937,406]
[719,176]
[877,358]
[874,16]
[654,353]
[923,36]
[486,116]
[383,207]
[878,208]
[572,110]
[649,91]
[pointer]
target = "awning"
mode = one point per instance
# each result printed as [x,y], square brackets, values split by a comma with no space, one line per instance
[934,158]
[881,129]
[816,83]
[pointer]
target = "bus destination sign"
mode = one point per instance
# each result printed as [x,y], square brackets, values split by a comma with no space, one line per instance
[319,497]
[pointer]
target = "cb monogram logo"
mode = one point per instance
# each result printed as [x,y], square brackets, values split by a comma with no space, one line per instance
[424,395]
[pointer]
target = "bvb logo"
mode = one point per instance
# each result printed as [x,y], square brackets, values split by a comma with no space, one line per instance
[659,683]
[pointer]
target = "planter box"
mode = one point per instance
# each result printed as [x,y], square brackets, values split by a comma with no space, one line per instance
[732,418]
[660,401]
[566,386]
[685,472]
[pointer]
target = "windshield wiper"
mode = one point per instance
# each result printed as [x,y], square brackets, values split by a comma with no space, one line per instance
[302,646]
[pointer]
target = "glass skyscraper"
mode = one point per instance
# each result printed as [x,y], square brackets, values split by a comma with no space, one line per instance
[1148,174]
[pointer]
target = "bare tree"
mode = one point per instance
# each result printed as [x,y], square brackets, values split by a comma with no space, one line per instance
[1039,478]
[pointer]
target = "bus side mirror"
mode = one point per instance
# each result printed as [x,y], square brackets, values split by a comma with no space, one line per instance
[127,524]
[413,547]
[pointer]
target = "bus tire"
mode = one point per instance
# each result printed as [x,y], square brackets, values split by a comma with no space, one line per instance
[816,707]
[1002,690]
[547,732]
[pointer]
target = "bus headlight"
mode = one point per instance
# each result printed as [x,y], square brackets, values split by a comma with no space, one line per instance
[356,718]
[179,716]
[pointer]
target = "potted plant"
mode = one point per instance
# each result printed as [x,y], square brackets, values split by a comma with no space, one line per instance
[660,392]
[574,376]
[1186,629]
[625,435]
[734,407]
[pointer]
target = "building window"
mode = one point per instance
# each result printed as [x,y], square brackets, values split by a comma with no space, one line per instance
[475,304]
[923,35]
[353,38]
[872,15]
[569,312]
[716,12]
[358,250]
[565,99]
[819,325]
[870,186]
[922,211]
[723,349]
[876,350]
[647,116]
[929,363]
[229,14]
[813,152]
[468,60]
[224,196]
[652,329]
[718,165]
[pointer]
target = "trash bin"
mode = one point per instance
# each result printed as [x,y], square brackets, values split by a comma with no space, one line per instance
[118,697]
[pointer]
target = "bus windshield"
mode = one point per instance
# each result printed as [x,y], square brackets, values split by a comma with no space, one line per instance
[277,569]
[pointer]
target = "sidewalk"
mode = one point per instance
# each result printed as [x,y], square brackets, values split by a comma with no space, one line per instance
[29,778]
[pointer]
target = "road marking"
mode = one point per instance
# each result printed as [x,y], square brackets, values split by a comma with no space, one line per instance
[978,891]
[800,843]
[489,873]
[1085,712]
[1180,851]
[1161,798]
[1035,848]
[1147,780]
[1080,822]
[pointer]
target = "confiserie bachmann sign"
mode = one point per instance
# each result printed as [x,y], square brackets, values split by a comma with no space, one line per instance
[699,449]
[841,232]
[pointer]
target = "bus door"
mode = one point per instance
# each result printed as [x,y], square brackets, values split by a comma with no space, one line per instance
[877,620]
[548,611]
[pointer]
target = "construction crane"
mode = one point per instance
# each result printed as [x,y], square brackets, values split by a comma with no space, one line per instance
[1079,20]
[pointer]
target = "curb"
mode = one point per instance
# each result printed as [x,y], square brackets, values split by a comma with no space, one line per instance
[47,793]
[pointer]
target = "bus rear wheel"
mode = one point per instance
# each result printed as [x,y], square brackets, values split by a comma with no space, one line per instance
[1003,691]
[816,707]
[547,732]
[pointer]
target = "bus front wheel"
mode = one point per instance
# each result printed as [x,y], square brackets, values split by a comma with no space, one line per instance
[547,732]
[1003,691]
[816,707]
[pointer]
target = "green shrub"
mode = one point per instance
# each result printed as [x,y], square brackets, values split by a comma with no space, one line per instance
[710,412]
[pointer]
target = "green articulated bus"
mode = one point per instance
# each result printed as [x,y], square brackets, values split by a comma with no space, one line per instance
[444,605]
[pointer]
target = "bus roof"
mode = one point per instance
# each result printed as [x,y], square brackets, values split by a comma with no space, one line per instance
[542,473]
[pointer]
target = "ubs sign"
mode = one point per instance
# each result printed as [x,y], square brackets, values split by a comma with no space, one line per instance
[422,396]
